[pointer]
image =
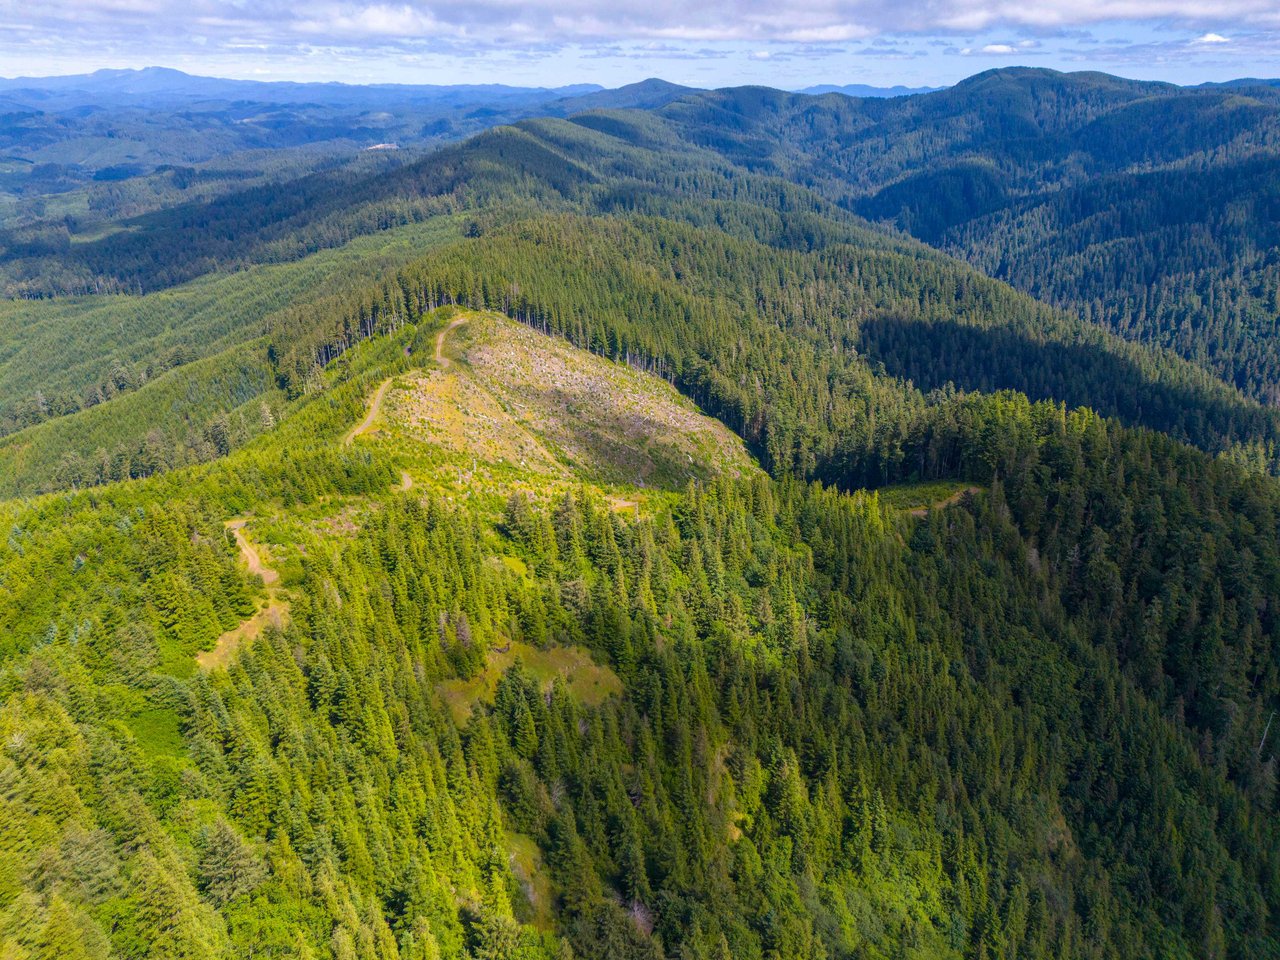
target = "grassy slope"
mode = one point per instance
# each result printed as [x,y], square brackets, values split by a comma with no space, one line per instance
[522,408]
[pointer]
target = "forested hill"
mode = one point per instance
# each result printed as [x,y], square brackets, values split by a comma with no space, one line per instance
[594,540]
[1145,207]
[719,239]
[471,706]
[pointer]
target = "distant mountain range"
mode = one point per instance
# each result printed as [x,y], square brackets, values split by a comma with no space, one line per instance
[61,135]
[1244,82]
[156,85]
[863,90]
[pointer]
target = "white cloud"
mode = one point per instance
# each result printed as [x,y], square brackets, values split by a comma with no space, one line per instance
[561,21]
[835,33]
[92,33]
[376,20]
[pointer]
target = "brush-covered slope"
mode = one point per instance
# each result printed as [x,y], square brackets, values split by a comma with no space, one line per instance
[192,413]
[503,400]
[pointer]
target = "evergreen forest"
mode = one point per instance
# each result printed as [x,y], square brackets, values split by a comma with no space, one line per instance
[673,525]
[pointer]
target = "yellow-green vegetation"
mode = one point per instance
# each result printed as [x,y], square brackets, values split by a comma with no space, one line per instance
[158,731]
[504,407]
[99,231]
[532,717]
[919,498]
[273,613]
[533,881]
[587,681]
[65,345]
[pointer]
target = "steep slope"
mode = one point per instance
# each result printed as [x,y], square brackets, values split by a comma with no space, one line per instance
[193,413]
[96,389]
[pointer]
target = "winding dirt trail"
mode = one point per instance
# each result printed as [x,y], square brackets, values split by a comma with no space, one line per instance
[367,423]
[250,554]
[951,501]
[440,357]
[275,613]
[375,404]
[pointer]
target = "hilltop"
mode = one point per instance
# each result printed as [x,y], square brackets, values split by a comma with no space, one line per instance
[523,405]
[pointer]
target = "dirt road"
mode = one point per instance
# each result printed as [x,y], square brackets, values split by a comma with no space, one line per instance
[275,613]
[440,357]
[249,553]
[367,423]
[375,405]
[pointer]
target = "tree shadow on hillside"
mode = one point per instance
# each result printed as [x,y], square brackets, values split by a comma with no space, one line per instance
[933,355]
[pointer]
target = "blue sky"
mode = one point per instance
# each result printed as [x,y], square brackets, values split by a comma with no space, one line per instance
[784,43]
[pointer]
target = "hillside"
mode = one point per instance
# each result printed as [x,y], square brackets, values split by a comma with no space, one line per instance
[1056,183]
[510,711]
[594,540]
[1146,208]
[519,404]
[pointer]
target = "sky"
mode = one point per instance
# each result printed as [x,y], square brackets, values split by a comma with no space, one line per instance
[706,43]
